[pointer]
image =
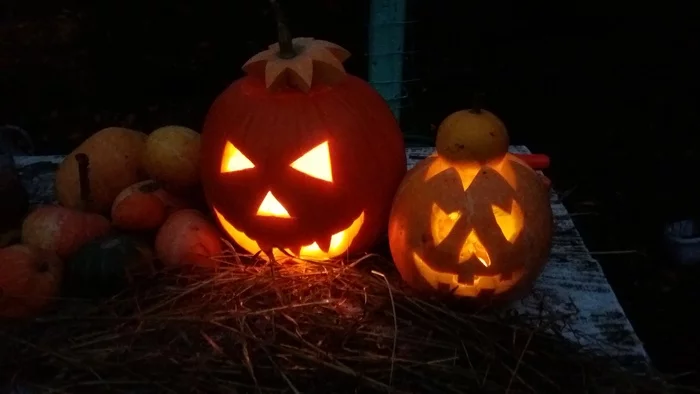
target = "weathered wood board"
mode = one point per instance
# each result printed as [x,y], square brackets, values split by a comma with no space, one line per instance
[572,284]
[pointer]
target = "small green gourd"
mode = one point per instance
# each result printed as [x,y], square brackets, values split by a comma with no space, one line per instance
[106,266]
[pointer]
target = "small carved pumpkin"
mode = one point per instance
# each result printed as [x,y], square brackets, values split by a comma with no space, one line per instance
[299,157]
[471,227]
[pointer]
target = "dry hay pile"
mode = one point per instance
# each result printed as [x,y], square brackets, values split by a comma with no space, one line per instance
[258,327]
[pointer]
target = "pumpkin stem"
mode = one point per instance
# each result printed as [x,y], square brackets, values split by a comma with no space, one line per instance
[150,187]
[477,102]
[84,177]
[284,37]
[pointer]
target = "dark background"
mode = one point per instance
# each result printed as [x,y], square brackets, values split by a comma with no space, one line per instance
[607,89]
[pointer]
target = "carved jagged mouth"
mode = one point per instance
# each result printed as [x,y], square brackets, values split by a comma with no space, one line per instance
[436,278]
[321,249]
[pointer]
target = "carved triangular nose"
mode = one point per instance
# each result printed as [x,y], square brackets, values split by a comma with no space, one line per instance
[270,206]
[474,248]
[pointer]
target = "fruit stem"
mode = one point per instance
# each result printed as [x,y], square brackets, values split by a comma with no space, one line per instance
[477,101]
[84,177]
[284,37]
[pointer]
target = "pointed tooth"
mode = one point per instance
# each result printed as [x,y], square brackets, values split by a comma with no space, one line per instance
[264,246]
[294,250]
[324,243]
[466,278]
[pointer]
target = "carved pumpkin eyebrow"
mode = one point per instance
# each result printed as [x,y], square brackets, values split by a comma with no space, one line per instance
[466,173]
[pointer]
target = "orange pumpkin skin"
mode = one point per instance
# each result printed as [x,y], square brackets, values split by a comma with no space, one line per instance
[144,206]
[115,163]
[62,230]
[273,129]
[138,208]
[491,239]
[29,280]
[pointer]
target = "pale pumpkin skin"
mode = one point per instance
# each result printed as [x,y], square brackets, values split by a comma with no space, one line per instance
[172,157]
[62,230]
[30,279]
[411,216]
[115,163]
[472,135]
[188,238]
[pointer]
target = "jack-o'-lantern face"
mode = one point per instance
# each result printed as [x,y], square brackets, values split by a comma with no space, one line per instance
[468,227]
[316,164]
[300,158]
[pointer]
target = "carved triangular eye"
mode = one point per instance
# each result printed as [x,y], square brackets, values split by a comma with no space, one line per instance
[316,163]
[510,223]
[442,223]
[234,160]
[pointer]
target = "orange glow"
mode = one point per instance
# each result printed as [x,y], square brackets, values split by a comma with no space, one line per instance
[271,207]
[468,171]
[442,223]
[436,278]
[339,242]
[234,160]
[316,163]
[441,226]
[447,228]
[473,247]
[511,223]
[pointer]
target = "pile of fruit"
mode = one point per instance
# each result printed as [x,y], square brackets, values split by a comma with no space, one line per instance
[125,201]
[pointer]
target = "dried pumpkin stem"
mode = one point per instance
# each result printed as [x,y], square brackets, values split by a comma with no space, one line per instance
[150,187]
[284,37]
[84,177]
[477,102]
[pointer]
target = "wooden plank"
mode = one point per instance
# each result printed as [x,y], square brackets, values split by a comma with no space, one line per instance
[572,284]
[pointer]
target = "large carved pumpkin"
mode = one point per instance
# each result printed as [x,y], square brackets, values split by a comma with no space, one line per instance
[299,157]
[471,227]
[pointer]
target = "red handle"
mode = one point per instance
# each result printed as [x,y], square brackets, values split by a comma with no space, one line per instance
[537,161]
